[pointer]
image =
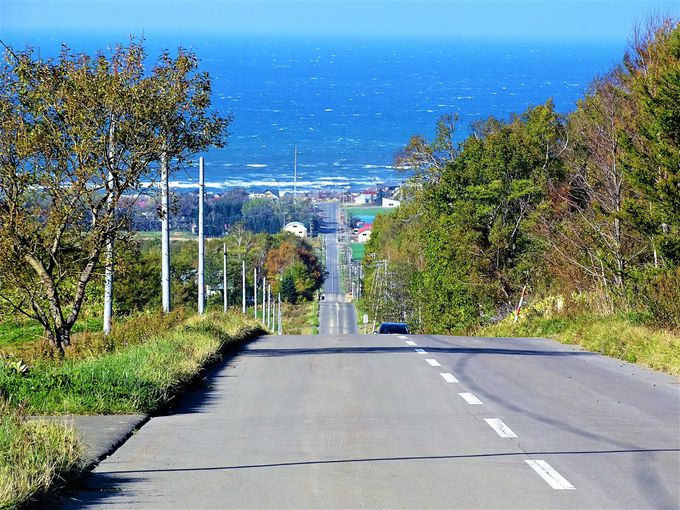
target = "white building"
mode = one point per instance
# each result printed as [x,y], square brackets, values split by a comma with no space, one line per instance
[388,202]
[365,197]
[297,228]
[265,194]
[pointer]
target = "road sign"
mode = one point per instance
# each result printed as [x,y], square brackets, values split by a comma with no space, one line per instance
[365,318]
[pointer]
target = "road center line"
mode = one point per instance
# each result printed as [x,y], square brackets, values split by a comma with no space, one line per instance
[470,399]
[433,362]
[403,337]
[449,378]
[410,342]
[545,471]
[501,428]
[421,351]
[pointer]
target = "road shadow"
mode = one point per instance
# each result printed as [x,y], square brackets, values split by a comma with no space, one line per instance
[409,350]
[527,454]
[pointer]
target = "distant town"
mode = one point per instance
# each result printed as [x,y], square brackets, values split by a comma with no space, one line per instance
[263,210]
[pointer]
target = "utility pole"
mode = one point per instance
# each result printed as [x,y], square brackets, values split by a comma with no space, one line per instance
[201,238]
[295,177]
[243,278]
[224,277]
[269,306]
[108,270]
[255,290]
[165,232]
[280,325]
[264,298]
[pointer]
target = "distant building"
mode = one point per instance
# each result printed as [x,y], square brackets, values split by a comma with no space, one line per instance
[364,234]
[297,228]
[273,195]
[388,202]
[366,197]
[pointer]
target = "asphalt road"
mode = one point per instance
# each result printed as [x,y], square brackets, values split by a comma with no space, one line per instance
[337,316]
[369,422]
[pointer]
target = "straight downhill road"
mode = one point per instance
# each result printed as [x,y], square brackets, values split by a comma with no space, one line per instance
[369,421]
[392,421]
[336,315]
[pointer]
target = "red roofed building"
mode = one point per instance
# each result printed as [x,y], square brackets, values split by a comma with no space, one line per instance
[364,234]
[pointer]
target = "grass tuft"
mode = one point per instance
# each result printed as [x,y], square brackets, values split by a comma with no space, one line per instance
[36,457]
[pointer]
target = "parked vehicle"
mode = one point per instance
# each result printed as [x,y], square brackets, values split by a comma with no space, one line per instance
[393,328]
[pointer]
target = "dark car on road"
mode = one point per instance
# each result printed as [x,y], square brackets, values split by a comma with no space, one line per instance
[393,328]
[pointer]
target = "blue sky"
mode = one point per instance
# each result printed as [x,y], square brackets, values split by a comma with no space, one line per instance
[551,19]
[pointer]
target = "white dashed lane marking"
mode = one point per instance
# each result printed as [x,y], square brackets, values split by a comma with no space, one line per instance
[403,337]
[545,471]
[433,362]
[410,342]
[421,351]
[501,428]
[470,399]
[449,378]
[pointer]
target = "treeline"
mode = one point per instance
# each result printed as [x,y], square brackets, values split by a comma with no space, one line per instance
[289,263]
[224,211]
[583,209]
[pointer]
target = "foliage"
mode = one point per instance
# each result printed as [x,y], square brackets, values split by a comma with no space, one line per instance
[76,134]
[288,292]
[292,259]
[36,457]
[584,204]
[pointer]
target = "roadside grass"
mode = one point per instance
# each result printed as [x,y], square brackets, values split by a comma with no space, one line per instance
[137,372]
[301,318]
[617,336]
[37,457]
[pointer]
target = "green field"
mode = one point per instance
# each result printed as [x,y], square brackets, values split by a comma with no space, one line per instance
[361,210]
[14,334]
[358,250]
[175,236]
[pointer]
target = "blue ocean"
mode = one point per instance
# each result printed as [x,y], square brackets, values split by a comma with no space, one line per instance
[350,104]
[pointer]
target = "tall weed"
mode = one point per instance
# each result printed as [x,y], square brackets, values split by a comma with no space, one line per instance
[36,457]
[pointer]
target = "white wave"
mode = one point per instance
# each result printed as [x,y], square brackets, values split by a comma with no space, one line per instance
[256,165]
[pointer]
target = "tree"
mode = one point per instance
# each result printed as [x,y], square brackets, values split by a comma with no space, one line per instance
[288,291]
[428,159]
[653,152]
[586,226]
[76,134]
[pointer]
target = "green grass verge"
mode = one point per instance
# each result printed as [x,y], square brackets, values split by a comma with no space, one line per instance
[616,336]
[138,378]
[301,318]
[36,458]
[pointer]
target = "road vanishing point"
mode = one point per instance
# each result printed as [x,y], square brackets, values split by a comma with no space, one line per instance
[342,420]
